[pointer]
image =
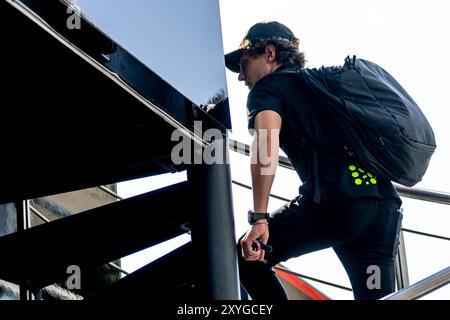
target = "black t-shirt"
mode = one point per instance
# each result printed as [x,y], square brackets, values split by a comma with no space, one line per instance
[303,127]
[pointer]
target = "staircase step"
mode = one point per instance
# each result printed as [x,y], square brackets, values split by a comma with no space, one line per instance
[41,255]
[169,277]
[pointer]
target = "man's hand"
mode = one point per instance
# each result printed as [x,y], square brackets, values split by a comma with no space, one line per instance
[258,230]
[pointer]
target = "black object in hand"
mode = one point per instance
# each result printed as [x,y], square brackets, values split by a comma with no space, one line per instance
[257,245]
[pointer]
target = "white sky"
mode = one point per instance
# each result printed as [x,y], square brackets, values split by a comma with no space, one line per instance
[407,38]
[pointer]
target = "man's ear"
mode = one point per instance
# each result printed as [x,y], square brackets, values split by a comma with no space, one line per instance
[270,52]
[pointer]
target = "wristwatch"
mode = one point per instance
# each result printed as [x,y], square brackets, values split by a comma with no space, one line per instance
[255,216]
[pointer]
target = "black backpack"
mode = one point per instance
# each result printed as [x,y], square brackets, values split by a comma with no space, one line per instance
[386,131]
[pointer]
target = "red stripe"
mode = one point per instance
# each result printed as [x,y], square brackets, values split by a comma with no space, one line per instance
[301,285]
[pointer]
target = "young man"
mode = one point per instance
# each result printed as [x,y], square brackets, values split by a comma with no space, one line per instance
[339,205]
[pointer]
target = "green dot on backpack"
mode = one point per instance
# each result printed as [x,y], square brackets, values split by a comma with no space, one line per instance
[358,181]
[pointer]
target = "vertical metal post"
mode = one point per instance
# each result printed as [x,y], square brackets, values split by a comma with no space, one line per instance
[213,232]
[401,265]
[23,223]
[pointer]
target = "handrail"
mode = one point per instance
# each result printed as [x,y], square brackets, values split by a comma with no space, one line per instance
[40,215]
[424,194]
[420,233]
[422,287]
[110,192]
[403,229]
[115,266]
[413,193]
[271,195]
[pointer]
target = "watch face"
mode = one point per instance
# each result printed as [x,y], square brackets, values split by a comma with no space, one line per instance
[253,217]
[250,217]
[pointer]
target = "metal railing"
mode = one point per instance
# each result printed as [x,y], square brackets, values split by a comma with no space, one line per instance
[413,193]
[423,287]
[110,192]
[403,229]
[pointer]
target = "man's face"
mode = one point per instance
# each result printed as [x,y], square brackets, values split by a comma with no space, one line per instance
[252,69]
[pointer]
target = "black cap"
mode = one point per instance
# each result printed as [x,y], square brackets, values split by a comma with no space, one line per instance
[261,30]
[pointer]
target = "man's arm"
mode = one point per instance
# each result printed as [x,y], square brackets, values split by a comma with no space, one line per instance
[264,157]
[264,161]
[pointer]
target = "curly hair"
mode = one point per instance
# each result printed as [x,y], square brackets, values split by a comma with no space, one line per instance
[287,52]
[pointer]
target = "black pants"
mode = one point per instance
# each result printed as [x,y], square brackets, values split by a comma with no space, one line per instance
[363,233]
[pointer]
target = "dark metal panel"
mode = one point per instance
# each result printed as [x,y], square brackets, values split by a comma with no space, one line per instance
[41,255]
[65,126]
